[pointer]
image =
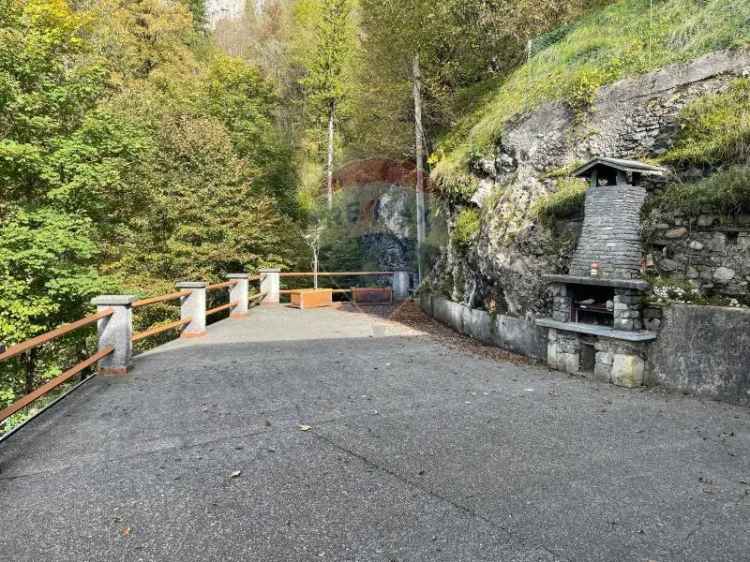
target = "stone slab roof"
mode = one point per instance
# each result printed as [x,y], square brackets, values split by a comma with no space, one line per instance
[620,164]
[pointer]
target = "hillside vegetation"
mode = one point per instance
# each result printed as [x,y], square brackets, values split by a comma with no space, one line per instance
[627,38]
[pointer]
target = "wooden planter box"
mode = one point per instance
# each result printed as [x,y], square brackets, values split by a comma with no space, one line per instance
[372,296]
[312,298]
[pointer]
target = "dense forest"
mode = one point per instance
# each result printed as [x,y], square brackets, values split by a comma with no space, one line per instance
[138,147]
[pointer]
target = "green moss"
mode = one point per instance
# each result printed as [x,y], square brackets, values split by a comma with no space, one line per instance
[714,129]
[467,227]
[568,201]
[726,193]
[624,39]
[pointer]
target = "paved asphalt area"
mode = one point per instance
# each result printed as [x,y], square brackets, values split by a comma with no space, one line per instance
[416,452]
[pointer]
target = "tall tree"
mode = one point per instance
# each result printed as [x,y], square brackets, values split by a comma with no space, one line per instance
[328,60]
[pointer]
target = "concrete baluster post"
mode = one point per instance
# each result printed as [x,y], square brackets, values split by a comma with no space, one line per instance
[240,294]
[116,331]
[270,284]
[193,306]
[400,285]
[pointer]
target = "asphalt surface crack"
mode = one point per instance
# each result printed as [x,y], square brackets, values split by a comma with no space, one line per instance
[410,483]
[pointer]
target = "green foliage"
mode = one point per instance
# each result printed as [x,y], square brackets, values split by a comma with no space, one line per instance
[727,193]
[605,45]
[715,129]
[466,229]
[461,43]
[47,264]
[198,10]
[325,49]
[567,201]
[131,155]
[581,90]
[458,188]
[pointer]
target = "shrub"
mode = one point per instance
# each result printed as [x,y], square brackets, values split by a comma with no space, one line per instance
[467,226]
[566,202]
[726,192]
[715,128]
[458,188]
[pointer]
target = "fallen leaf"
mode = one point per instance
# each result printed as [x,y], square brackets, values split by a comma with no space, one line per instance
[304,427]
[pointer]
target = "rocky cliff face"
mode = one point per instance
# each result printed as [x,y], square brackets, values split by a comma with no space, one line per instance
[218,10]
[634,118]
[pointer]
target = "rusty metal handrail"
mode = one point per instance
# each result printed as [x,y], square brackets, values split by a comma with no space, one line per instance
[221,308]
[52,384]
[63,330]
[339,274]
[156,330]
[218,286]
[163,298]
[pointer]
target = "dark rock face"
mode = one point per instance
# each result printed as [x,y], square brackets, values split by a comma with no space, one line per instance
[686,356]
[218,10]
[388,250]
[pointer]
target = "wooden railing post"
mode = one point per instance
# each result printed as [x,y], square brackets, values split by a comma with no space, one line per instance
[193,308]
[116,331]
[239,294]
[400,281]
[270,284]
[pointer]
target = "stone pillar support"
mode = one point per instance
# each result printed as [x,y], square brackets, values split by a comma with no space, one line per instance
[400,285]
[240,294]
[193,306]
[562,303]
[116,331]
[270,284]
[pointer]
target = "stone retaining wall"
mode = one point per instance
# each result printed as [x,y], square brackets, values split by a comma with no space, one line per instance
[704,350]
[709,251]
[701,350]
[506,332]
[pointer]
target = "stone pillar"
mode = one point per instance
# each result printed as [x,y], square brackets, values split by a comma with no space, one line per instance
[270,284]
[627,310]
[193,306]
[116,331]
[563,351]
[239,293]
[400,285]
[562,303]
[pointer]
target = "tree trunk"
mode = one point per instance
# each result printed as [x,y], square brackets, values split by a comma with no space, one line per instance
[421,226]
[331,133]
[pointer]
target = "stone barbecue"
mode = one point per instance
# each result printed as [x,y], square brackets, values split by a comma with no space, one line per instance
[596,324]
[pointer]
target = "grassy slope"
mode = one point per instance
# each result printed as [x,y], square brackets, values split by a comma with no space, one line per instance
[622,40]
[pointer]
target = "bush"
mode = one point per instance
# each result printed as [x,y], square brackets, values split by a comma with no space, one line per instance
[467,226]
[726,193]
[568,201]
[715,128]
[458,188]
